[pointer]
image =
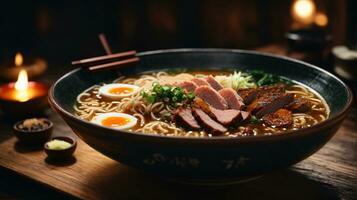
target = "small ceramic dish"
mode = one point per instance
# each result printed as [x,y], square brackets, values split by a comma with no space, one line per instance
[345,62]
[58,152]
[307,39]
[33,135]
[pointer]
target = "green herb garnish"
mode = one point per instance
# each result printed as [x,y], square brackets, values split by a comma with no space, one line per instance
[262,78]
[166,115]
[254,120]
[171,95]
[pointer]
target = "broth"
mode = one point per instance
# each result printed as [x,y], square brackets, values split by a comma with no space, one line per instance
[152,117]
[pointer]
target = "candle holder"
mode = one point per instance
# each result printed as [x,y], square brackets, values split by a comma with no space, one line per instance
[15,105]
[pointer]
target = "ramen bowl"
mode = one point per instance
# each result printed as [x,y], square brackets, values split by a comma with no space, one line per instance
[211,159]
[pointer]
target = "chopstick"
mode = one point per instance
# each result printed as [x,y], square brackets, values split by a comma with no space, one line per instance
[114,65]
[99,61]
[103,58]
[105,43]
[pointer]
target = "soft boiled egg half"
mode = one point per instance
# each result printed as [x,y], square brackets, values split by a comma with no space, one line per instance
[120,121]
[118,91]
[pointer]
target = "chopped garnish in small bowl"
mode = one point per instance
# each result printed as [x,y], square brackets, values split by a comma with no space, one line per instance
[60,147]
[33,131]
[57,144]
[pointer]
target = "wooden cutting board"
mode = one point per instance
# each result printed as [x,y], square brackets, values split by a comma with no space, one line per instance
[329,173]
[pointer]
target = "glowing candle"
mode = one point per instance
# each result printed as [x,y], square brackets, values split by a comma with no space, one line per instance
[21,86]
[23,97]
[22,90]
[321,19]
[303,11]
[18,59]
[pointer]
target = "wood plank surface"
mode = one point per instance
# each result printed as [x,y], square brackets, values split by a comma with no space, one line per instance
[331,173]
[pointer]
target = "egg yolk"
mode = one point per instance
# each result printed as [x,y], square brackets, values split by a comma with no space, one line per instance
[115,121]
[121,90]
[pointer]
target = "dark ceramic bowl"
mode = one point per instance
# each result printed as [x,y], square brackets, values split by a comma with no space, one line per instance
[63,153]
[203,160]
[307,40]
[33,137]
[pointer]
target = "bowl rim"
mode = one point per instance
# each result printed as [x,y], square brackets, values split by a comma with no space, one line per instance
[293,133]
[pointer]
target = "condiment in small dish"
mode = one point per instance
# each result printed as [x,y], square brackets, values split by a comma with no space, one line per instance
[33,131]
[60,147]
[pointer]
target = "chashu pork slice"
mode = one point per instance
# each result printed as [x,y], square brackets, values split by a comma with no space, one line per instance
[211,97]
[213,83]
[184,117]
[232,98]
[225,117]
[208,123]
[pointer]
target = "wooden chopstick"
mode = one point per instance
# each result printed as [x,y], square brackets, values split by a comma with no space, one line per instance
[113,65]
[103,58]
[100,59]
[105,44]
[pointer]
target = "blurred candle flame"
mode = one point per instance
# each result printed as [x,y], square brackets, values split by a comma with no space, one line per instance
[304,11]
[22,81]
[321,19]
[18,59]
[21,86]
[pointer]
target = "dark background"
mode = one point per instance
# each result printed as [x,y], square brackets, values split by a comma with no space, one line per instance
[61,31]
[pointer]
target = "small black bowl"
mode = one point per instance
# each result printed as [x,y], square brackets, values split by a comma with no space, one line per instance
[345,66]
[63,153]
[33,137]
[307,40]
